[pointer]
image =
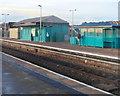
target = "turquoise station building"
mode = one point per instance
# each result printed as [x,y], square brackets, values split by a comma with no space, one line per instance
[101,34]
[53,29]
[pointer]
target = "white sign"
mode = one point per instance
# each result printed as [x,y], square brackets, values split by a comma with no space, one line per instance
[33,31]
[47,34]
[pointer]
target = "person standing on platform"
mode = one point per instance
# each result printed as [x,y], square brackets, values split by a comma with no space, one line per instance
[78,38]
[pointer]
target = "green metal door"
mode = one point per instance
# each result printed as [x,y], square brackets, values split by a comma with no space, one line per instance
[108,38]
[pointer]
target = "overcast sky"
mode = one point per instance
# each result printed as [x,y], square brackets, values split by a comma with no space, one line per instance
[87,10]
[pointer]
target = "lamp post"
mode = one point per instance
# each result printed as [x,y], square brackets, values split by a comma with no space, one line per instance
[72,19]
[40,21]
[5,27]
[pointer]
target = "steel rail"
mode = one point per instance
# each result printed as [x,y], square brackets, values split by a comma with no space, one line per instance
[49,49]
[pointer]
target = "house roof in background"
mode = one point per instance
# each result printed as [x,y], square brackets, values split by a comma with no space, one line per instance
[100,24]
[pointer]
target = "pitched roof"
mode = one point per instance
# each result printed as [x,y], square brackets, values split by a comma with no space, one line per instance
[46,19]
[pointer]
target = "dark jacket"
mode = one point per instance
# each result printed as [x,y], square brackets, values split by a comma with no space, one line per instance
[79,36]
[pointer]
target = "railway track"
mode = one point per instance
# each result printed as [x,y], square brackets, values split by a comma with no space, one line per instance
[91,59]
[106,78]
[84,55]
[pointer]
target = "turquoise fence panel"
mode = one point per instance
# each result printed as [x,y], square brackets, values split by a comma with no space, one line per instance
[61,34]
[98,37]
[98,42]
[54,30]
[35,38]
[83,40]
[53,33]
[108,37]
[42,35]
[21,32]
[90,41]
[91,37]
[58,33]
[73,40]
[65,31]
[25,33]
[117,38]
[117,43]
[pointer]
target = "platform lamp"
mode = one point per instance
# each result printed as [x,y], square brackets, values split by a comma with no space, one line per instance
[5,22]
[72,19]
[40,20]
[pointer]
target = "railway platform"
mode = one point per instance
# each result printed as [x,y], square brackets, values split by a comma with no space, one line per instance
[22,77]
[20,80]
[67,45]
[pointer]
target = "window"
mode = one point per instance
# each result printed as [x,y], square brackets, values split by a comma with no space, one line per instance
[91,32]
[83,32]
[117,31]
[27,31]
[99,32]
[108,33]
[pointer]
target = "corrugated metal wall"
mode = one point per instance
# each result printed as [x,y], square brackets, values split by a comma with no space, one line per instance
[58,33]
[25,33]
[54,33]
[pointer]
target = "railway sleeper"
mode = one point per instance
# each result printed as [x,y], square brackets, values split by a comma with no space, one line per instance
[81,76]
[115,68]
[41,51]
[80,54]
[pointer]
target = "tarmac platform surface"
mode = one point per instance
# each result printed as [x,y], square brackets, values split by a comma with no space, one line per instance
[23,77]
[17,81]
